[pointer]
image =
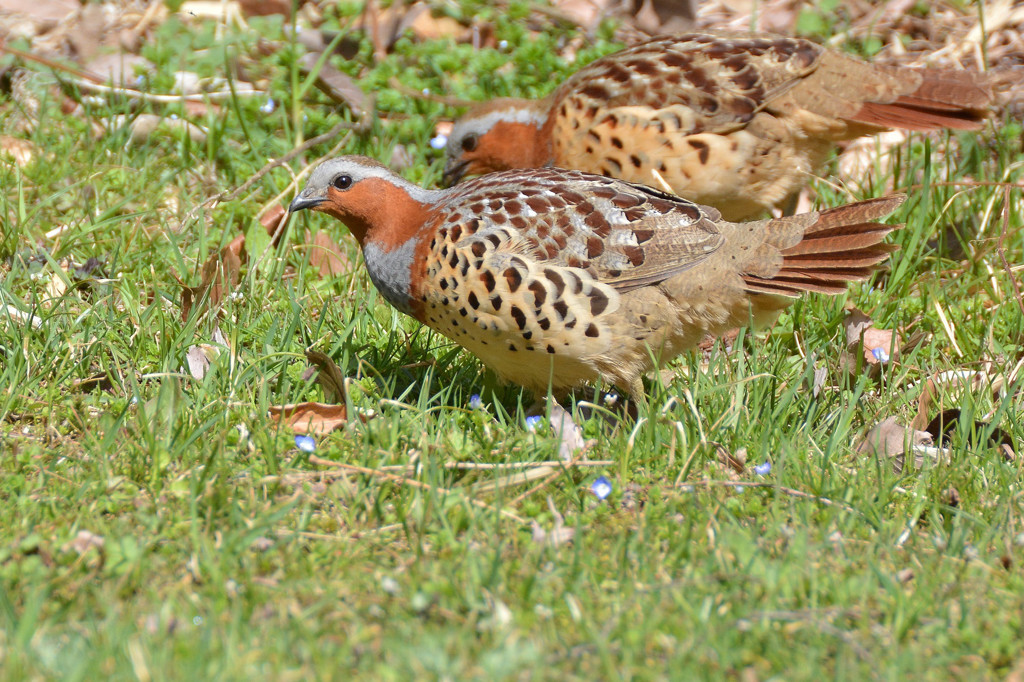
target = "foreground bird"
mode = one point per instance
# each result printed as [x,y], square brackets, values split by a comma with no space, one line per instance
[555,278]
[737,123]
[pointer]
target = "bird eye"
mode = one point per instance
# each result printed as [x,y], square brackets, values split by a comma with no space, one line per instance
[342,182]
[469,142]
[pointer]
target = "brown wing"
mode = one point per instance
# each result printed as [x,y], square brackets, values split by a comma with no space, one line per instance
[703,82]
[620,234]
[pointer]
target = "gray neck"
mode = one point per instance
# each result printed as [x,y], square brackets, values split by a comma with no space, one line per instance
[391,273]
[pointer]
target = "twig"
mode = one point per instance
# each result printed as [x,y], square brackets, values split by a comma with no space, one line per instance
[411,482]
[473,466]
[562,467]
[87,80]
[305,146]
[961,183]
[51,64]
[131,93]
[792,492]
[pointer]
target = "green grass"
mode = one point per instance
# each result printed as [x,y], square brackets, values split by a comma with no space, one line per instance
[227,554]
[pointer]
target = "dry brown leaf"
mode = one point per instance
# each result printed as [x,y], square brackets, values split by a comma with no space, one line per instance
[889,439]
[198,359]
[329,376]
[144,126]
[737,462]
[325,255]
[266,8]
[665,16]
[44,12]
[428,27]
[316,418]
[119,68]
[337,85]
[570,435]
[585,13]
[96,381]
[20,151]
[559,533]
[220,274]
[84,541]
[858,161]
[273,222]
[877,347]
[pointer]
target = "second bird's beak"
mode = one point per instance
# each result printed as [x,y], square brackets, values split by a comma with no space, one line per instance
[453,172]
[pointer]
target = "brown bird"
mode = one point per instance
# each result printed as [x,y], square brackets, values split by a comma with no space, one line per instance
[737,123]
[555,277]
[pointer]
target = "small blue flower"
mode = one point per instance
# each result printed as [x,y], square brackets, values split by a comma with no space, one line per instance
[425,91]
[439,142]
[533,422]
[305,443]
[880,355]
[602,488]
[502,44]
[763,469]
[475,403]
[268,106]
[173,117]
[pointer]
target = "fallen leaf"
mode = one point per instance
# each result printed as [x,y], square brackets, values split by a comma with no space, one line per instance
[144,126]
[120,68]
[96,381]
[872,347]
[890,439]
[863,156]
[198,359]
[855,323]
[12,313]
[428,27]
[559,533]
[337,85]
[220,274]
[570,435]
[84,541]
[329,376]
[44,12]
[325,255]
[401,158]
[56,286]
[20,151]
[736,462]
[318,418]
[665,16]
[266,8]
[584,13]
[273,222]
[942,426]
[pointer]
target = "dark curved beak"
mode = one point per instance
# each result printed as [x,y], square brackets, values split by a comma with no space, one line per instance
[453,172]
[302,202]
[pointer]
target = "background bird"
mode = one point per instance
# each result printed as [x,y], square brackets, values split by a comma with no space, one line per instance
[555,278]
[737,123]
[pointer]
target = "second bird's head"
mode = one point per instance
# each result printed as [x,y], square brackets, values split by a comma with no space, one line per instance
[497,136]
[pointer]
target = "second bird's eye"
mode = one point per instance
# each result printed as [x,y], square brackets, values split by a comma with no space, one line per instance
[469,143]
[342,182]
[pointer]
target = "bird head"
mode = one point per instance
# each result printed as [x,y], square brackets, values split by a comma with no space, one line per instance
[373,202]
[496,136]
